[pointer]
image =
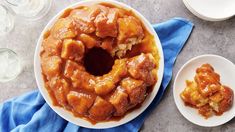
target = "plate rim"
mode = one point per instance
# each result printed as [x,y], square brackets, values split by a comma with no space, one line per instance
[207,18]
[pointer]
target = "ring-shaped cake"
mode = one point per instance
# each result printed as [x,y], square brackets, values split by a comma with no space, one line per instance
[99,62]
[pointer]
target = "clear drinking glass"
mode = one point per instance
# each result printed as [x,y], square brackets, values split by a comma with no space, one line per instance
[9,62]
[10,65]
[6,20]
[30,9]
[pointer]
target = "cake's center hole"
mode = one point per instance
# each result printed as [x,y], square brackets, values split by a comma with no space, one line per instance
[98,61]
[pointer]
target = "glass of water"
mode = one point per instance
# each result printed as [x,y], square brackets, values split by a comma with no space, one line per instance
[6,20]
[9,62]
[30,9]
[10,65]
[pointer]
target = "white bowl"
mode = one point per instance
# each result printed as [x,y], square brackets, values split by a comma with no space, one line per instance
[226,70]
[68,115]
[211,10]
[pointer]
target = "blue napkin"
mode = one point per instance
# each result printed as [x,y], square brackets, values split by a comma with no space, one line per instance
[30,112]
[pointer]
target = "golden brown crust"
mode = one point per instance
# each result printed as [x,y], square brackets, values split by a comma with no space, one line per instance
[206,93]
[98,97]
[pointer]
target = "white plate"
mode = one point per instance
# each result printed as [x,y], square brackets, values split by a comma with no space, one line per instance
[226,70]
[68,115]
[211,10]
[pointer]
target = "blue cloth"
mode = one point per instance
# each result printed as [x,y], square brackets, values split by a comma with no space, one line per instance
[30,112]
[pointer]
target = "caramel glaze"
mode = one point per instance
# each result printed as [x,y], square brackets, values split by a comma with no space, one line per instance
[147,45]
[207,94]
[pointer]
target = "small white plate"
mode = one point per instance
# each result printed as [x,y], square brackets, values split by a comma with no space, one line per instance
[226,70]
[211,10]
